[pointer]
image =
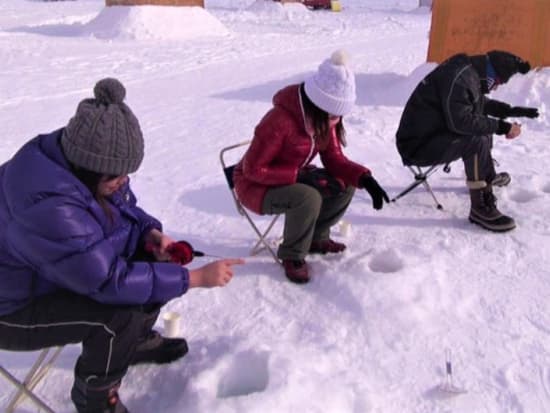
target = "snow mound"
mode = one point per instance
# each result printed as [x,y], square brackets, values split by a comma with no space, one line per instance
[227,4]
[263,6]
[154,22]
[532,89]
[296,8]
[276,8]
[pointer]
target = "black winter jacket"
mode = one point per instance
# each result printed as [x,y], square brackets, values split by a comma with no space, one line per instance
[449,103]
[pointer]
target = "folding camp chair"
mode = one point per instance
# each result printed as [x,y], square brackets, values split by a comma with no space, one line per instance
[262,243]
[36,373]
[421,177]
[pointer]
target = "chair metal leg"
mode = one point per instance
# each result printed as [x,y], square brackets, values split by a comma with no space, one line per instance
[429,189]
[420,178]
[33,377]
[262,238]
[25,391]
[408,189]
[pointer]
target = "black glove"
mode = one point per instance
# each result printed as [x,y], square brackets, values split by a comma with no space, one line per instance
[375,191]
[503,127]
[321,180]
[523,112]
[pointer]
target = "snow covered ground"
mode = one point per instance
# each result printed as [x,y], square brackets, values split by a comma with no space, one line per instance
[370,332]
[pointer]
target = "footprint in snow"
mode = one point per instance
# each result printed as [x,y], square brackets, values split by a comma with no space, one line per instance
[523,195]
[386,262]
[247,374]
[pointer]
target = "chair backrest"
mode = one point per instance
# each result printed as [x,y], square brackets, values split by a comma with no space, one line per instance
[228,172]
[228,169]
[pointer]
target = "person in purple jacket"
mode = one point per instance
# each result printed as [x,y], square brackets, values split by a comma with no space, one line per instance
[73,261]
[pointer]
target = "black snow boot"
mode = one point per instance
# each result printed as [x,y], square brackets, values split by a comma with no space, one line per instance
[97,398]
[501,179]
[484,211]
[157,349]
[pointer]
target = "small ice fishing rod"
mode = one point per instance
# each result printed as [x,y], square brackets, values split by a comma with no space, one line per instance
[180,252]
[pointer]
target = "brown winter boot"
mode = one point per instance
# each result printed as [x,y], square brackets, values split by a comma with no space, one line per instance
[484,212]
[324,246]
[296,270]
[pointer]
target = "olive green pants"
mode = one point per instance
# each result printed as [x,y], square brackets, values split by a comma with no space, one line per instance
[308,215]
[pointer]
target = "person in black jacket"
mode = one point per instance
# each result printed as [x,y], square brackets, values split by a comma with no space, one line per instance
[449,117]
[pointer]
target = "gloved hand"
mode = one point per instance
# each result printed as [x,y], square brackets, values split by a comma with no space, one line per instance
[375,191]
[520,111]
[321,180]
[182,252]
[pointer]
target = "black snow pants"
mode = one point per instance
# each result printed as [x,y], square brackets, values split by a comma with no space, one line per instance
[475,152]
[108,333]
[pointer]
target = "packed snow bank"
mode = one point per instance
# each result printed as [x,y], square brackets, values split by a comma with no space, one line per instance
[154,22]
[532,89]
[263,6]
[227,4]
[276,8]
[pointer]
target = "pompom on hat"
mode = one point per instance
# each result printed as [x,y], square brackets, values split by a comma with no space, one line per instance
[507,64]
[332,87]
[104,136]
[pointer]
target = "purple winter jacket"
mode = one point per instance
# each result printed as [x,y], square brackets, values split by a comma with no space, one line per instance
[54,235]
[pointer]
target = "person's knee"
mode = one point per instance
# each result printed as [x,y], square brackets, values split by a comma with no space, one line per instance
[307,198]
[481,143]
[128,321]
[349,192]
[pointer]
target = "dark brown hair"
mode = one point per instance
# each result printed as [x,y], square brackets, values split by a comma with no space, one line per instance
[91,180]
[319,120]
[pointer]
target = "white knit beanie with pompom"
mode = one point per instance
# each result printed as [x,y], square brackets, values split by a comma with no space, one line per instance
[332,88]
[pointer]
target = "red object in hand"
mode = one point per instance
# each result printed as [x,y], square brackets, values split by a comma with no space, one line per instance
[181,252]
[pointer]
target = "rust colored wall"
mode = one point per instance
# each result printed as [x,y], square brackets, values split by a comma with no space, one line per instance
[475,27]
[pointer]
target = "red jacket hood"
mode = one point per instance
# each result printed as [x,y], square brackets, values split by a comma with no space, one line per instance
[289,99]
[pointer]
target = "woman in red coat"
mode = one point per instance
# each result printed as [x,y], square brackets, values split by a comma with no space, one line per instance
[275,175]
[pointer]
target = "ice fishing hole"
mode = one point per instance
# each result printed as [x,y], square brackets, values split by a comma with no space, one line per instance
[247,374]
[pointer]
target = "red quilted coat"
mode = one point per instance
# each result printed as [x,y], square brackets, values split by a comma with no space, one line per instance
[281,146]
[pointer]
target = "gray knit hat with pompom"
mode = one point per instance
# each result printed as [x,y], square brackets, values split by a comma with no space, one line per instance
[104,135]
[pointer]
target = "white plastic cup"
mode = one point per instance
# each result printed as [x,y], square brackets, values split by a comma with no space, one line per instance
[345,228]
[171,324]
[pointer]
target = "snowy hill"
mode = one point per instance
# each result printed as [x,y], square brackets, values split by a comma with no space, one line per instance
[369,333]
